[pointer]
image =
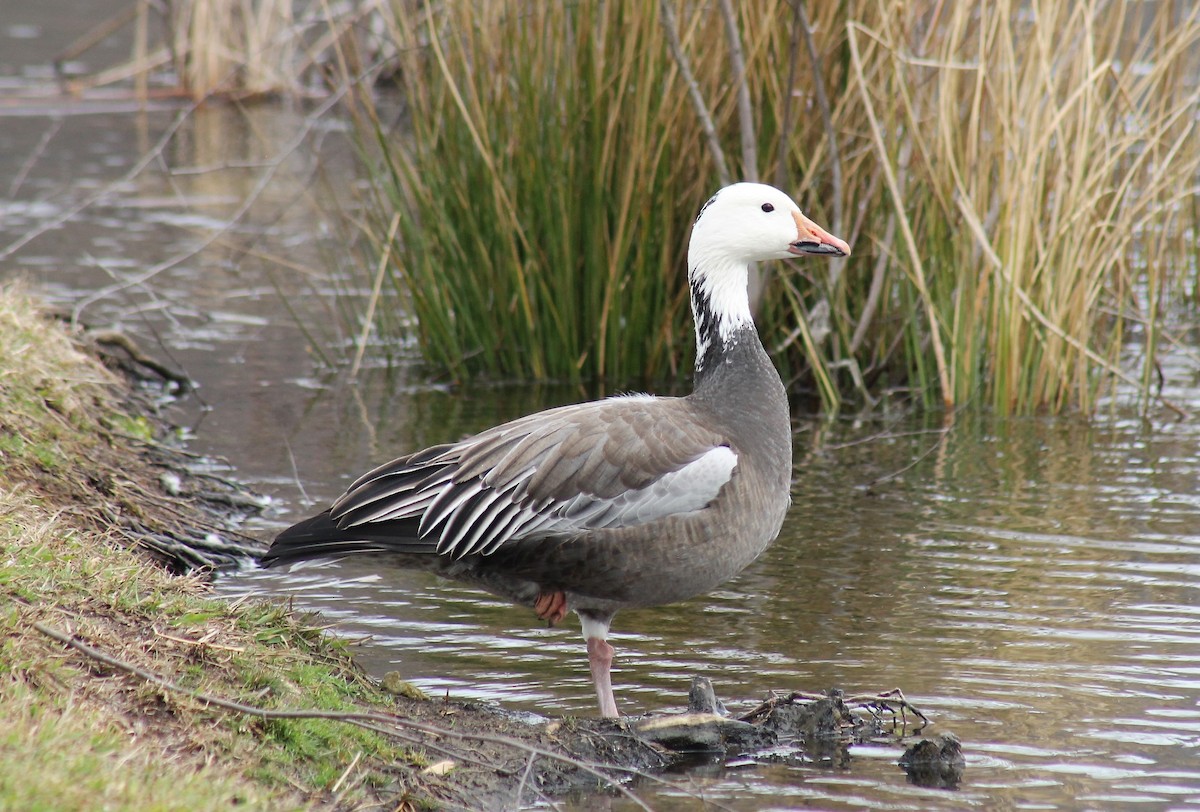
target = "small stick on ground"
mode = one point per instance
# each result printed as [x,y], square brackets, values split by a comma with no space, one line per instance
[203,642]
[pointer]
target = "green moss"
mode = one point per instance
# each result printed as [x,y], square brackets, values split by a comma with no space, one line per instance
[135,426]
[47,454]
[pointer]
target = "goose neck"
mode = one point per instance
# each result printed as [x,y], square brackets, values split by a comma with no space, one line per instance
[720,307]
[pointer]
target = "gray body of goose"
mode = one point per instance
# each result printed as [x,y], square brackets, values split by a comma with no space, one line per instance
[629,501]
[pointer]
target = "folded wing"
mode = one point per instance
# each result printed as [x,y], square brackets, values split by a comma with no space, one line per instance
[614,463]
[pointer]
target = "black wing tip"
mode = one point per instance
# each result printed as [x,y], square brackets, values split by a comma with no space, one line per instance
[320,537]
[305,539]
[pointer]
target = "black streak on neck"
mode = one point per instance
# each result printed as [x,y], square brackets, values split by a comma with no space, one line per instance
[710,346]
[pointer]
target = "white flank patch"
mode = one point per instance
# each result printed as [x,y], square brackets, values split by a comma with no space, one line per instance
[690,488]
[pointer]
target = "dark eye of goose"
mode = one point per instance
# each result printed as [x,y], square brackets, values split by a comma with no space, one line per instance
[768,208]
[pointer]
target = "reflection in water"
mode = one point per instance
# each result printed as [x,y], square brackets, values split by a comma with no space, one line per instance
[1033,584]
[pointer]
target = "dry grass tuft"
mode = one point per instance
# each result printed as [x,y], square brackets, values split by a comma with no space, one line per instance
[225,46]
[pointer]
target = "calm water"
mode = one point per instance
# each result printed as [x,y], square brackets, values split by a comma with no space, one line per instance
[1033,585]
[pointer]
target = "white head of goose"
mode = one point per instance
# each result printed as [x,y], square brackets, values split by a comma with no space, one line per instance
[628,501]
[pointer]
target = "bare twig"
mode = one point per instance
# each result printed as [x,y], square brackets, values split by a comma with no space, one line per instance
[369,317]
[524,780]
[306,499]
[337,786]
[671,28]
[818,81]
[737,61]
[917,461]
[887,699]
[29,162]
[122,182]
[884,435]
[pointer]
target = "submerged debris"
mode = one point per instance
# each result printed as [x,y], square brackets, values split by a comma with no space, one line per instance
[818,728]
[936,762]
[892,702]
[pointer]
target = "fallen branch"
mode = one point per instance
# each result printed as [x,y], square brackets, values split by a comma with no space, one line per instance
[115,338]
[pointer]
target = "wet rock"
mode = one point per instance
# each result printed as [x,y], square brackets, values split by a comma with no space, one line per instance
[936,762]
[393,683]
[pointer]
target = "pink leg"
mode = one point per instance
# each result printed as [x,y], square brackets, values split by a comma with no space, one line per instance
[600,657]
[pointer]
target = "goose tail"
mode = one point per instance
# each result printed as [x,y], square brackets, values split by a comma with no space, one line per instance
[321,537]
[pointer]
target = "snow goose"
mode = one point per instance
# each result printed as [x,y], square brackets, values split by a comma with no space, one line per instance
[623,502]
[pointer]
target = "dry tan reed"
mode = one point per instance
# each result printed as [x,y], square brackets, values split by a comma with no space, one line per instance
[223,46]
[1036,157]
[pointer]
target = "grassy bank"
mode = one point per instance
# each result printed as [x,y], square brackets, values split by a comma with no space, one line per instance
[123,686]
[79,733]
[1017,180]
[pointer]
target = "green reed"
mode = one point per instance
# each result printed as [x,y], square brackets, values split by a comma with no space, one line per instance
[527,243]
[1017,179]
